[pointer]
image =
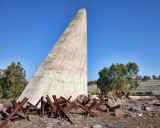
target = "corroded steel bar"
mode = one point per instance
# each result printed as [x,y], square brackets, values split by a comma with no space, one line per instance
[86,100]
[87,110]
[66,114]
[38,102]
[17,108]
[54,98]
[113,108]
[69,98]
[42,106]
[21,114]
[93,104]
[31,105]
[13,117]
[53,107]
[15,104]
[25,113]
[27,107]
[98,104]
[69,107]
[99,96]
[35,109]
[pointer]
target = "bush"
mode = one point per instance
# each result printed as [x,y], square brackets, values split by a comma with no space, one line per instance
[95,92]
[150,93]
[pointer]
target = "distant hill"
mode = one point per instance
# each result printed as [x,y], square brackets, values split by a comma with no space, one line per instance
[149,85]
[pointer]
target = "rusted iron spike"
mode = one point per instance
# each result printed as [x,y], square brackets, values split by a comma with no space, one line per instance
[107,105]
[42,106]
[69,98]
[128,97]
[25,113]
[98,104]
[93,104]
[99,96]
[34,109]
[79,101]
[15,104]
[66,114]
[26,109]
[59,102]
[69,107]
[6,124]
[87,110]
[53,107]
[113,108]
[21,114]
[31,105]
[13,118]
[38,102]
[86,100]
[17,108]
[54,98]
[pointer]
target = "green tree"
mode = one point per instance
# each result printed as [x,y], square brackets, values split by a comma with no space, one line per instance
[154,77]
[139,77]
[146,78]
[118,77]
[13,80]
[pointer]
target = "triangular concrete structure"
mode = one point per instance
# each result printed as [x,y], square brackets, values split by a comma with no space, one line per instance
[64,71]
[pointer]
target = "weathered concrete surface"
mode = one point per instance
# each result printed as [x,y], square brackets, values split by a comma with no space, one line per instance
[64,71]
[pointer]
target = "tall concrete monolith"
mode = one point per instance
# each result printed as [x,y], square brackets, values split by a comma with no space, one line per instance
[64,71]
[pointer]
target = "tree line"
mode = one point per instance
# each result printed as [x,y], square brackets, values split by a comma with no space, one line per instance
[120,77]
[12,80]
[144,78]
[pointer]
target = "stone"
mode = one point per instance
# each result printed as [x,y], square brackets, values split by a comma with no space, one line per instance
[137,110]
[148,108]
[119,113]
[64,71]
[97,126]
[131,114]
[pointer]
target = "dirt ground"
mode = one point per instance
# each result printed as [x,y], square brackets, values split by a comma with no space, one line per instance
[123,117]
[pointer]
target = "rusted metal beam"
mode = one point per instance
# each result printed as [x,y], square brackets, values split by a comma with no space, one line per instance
[66,114]
[26,109]
[69,107]
[53,107]
[17,108]
[113,108]
[98,104]
[93,104]
[87,110]
[23,109]
[15,104]
[69,98]
[54,98]
[31,105]
[38,102]
[42,106]
[86,100]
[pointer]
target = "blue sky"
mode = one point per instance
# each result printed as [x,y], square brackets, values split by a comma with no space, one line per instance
[119,31]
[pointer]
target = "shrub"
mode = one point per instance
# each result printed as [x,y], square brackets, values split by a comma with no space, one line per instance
[96,91]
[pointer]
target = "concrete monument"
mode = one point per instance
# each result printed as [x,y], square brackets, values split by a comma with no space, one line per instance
[64,71]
